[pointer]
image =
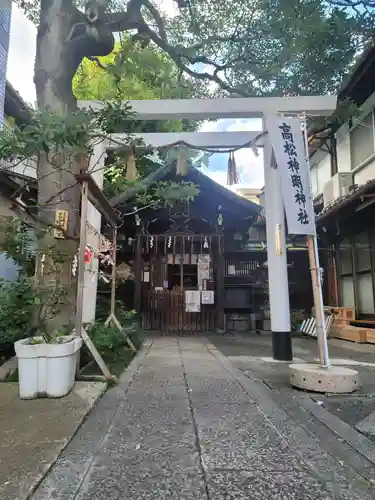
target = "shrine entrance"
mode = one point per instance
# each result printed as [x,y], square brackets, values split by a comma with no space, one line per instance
[178,289]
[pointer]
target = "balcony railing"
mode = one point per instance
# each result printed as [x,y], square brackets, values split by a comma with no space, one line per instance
[25,168]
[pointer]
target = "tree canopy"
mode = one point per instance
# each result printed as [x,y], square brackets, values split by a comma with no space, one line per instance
[268,47]
[244,47]
[135,72]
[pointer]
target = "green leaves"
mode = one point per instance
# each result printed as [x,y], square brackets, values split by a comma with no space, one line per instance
[167,193]
[17,301]
[278,47]
[113,117]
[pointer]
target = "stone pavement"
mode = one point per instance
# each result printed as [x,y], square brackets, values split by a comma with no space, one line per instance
[251,354]
[184,423]
[33,433]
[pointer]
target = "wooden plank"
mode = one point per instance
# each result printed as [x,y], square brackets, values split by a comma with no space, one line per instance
[95,354]
[81,259]
[362,321]
[219,307]
[98,199]
[121,329]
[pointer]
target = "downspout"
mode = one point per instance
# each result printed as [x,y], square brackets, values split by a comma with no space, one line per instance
[333,155]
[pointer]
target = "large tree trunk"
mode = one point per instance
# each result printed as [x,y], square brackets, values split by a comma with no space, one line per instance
[65,37]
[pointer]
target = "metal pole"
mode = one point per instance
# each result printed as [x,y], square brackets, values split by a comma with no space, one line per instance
[276,258]
[312,245]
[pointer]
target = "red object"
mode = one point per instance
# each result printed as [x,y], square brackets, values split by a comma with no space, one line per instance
[87,256]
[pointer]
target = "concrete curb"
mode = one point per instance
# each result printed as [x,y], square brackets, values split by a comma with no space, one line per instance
[343,430]
[9,367]
[76,458]
[367,425]
[336,476]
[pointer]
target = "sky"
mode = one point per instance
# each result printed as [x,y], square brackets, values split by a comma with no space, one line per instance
[20,74]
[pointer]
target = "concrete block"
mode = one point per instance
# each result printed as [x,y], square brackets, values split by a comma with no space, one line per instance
[335,379]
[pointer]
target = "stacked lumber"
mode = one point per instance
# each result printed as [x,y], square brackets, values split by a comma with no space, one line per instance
[342,329]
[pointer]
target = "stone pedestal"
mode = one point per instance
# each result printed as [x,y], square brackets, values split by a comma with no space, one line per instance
[335,379]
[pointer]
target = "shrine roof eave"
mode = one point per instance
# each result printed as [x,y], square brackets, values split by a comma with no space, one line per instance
[246,208]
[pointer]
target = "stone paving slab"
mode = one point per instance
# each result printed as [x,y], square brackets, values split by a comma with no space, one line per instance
[259,486]
[186,424]
[33,433]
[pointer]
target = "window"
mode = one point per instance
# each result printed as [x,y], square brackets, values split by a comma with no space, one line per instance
[362,252]
[365,291]
[347,291]
[345,255]
[346,274]
[362,144]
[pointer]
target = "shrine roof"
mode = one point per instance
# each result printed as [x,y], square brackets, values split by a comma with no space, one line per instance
[225,197]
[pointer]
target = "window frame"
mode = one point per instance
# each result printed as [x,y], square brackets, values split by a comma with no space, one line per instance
[355,123]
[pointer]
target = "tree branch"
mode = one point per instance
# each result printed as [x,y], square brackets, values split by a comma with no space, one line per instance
[157,17]
[352,3]
[127,20]
[177,56]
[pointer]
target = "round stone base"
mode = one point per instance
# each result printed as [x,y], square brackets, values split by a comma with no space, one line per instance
[335,379]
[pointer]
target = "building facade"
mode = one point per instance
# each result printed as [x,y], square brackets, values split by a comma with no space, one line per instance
[5,19]
[251,194]
[343,184]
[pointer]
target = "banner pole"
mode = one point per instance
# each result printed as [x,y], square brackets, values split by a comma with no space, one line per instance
[312,245]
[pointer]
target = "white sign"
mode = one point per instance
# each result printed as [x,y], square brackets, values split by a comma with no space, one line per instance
[286,138]
[208,297]
[192,301]
[231,269]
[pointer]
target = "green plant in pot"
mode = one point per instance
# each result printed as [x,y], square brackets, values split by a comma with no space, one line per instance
[47,359]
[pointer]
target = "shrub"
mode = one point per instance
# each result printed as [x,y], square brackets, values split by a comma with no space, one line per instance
[109,341]
[17,302]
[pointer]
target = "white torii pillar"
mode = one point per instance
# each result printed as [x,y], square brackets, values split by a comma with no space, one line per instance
[278,284]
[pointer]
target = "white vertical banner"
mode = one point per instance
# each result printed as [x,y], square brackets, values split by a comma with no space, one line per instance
[286,137]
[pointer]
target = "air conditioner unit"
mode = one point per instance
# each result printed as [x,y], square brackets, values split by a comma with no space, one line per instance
[337,186]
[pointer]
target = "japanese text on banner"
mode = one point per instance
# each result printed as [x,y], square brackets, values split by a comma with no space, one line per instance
[285,135]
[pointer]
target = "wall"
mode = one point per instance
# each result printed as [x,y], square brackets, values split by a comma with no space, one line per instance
[320,171]
[363,170]
[25,168]
[8,269]
[5,17]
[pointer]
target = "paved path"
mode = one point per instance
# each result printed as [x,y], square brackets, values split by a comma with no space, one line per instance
[185,424]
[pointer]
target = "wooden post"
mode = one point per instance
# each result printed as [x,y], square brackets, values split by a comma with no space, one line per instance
[81,257]
[79,329]
[138,274]
[113,277]
[220,271]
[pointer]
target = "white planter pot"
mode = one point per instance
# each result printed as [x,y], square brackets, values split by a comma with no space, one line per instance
[46,370]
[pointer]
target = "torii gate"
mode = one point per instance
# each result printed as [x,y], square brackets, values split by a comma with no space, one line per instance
[205,109]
